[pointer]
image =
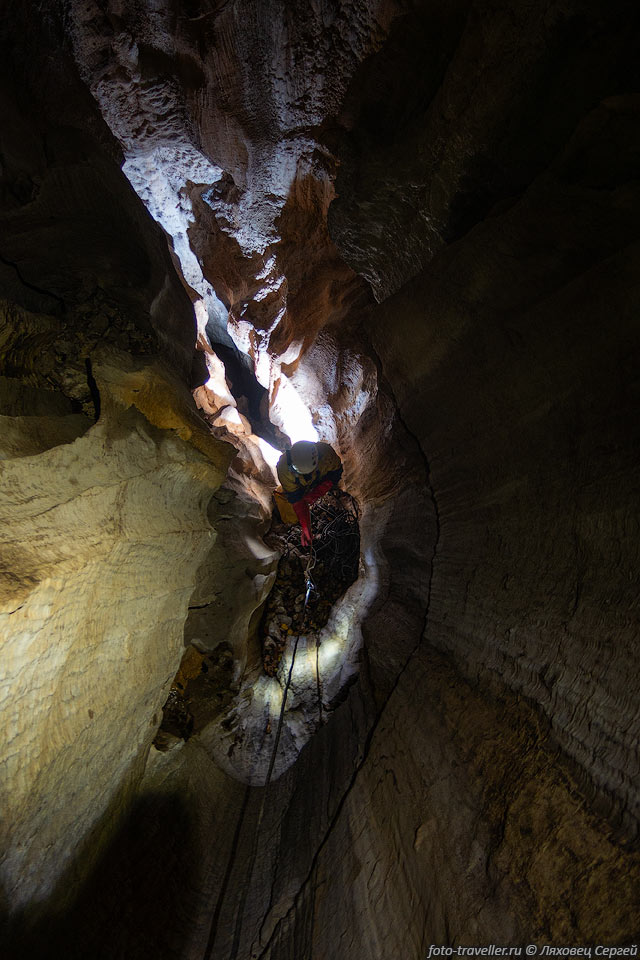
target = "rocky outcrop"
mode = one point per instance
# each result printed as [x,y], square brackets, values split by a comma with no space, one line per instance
[463,106]
[97,573]
[500,472]
[107,472]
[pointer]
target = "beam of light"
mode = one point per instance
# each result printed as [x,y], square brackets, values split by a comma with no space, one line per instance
[328,657]
[268,692]
[270,454]
[291,414]
[330,650]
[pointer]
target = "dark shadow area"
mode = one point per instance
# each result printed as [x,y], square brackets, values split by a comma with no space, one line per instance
[202,689]
[410,102]
[127,907]
[584,63]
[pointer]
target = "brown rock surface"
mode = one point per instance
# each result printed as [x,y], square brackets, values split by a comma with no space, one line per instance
[474,780]
[501,471]
[107,471]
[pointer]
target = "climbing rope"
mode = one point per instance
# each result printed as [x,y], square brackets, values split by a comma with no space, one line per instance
[236,936]
[337,545]
[310,588]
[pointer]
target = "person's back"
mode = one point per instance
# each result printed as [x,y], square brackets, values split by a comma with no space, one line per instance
[306,472]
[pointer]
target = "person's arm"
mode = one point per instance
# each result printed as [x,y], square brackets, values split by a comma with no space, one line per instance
[302,507]
[288,480]
[329,466]
[319,491]
[295,494]
[331,470]
[300,499]
[302,512]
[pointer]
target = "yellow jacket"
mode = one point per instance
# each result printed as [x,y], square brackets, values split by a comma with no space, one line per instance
[296,485]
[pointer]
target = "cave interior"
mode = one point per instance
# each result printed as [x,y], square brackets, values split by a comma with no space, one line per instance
[407,228]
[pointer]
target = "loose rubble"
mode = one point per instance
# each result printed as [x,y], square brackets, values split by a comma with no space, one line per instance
[202,687]
[200,691]
[334,567]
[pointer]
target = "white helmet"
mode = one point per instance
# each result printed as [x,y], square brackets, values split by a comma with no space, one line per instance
[304,456]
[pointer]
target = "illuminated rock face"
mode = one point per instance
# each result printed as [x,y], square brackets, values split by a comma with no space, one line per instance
[99,575]
[475,781]
[221,143]
[107,473]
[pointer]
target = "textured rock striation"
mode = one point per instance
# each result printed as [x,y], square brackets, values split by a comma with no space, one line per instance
[107,472]
[422,219]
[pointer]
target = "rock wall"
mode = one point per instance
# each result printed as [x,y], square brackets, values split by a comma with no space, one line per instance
[556,598]
[107,472]
[475,781]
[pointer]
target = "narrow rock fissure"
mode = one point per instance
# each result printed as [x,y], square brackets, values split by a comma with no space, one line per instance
[378,717]
[93,388]
[62,307]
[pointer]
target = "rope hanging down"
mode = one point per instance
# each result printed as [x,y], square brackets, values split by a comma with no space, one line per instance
[236,937]
[336,550]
